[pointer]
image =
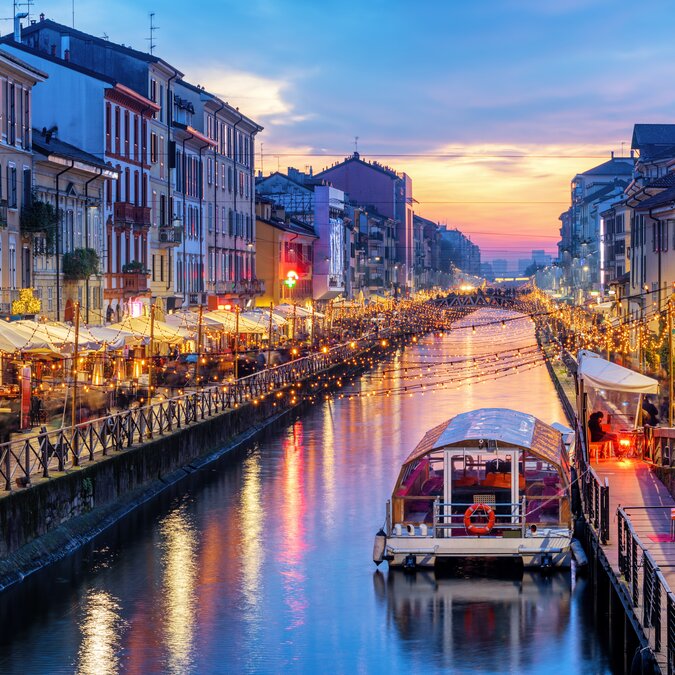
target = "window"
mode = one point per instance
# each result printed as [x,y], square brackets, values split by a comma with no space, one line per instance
[126,133]
[118,147]
[153,147]
[11,187]
[11,115]
[209,170]
[27,194]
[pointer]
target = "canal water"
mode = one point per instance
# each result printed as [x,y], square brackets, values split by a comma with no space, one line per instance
[263,564]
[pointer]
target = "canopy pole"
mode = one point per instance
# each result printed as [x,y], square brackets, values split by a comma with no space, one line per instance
[671,383]
[236,344]
[199,344]
[73,404]
[269,338]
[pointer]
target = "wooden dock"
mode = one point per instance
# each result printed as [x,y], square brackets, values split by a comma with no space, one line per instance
[640,550]
[627,511]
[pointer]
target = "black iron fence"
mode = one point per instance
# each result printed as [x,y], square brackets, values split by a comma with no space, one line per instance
[54,451]
[647,588]
[594,492]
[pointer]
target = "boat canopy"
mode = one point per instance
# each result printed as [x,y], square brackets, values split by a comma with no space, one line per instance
[602,374]
[502,425]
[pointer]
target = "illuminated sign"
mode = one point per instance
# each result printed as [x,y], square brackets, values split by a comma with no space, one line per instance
[291,279]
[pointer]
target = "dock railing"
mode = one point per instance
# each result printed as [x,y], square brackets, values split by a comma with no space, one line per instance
[53,451]
[650,594]
[594,492]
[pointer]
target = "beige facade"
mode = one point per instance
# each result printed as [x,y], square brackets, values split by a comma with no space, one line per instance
[17,79]
[72,182]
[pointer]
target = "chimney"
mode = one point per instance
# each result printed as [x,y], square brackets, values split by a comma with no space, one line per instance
[612,154]
[66,55]
[42,16]
[17,26]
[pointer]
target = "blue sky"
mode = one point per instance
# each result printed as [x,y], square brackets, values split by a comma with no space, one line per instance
[560,82]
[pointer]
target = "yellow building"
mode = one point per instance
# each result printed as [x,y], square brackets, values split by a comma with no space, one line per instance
[284,250]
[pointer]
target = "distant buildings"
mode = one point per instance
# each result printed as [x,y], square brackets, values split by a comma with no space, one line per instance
[580,250]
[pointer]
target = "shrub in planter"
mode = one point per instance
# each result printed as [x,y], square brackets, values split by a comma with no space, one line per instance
[80,263]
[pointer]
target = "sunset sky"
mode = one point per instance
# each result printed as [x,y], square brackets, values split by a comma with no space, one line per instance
[491,107]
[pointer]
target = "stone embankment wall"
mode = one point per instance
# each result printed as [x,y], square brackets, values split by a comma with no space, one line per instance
[54,517]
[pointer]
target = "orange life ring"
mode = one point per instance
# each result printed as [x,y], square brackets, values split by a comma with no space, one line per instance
[479,529]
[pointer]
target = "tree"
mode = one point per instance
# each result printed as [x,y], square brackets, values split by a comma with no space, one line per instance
[532,269]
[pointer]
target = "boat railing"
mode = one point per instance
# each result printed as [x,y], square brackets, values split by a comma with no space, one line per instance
[646,587]
[509,516]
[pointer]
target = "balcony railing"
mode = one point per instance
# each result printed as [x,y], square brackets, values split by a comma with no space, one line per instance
[130,214]
[170,235]
[125,284]
[249,286]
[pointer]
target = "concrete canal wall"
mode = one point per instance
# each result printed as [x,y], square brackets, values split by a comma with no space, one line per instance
[52,518]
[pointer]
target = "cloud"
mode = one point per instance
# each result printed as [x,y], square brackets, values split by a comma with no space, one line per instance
[261,98]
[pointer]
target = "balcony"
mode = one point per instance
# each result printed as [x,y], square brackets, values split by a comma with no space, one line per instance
[125,285]
[170,235]
[130,215]
[249,287]
[375,236]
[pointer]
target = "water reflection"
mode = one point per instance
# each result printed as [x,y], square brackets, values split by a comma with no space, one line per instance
[266,567]
[251,515]
[178,543]
[488,625]
[101,628]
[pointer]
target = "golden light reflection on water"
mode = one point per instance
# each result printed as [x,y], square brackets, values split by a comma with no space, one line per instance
[179,543]
[252,515]
[291,558]
[101,628]
[329,506]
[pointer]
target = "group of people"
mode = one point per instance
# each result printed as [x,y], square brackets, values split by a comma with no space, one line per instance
[650,418]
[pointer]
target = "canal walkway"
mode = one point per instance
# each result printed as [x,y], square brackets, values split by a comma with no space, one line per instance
[629,511]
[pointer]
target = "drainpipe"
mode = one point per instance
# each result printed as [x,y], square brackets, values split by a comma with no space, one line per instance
[169,192]
[86,233]
[215,201]
[184,188]
[658,242]
[201,215]
[234,153]
[58,241]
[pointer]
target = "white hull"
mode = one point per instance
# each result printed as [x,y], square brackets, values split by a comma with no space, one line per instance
[544,551]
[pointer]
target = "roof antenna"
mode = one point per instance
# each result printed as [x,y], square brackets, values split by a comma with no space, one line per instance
[356,146]
[153,28]
[73,13]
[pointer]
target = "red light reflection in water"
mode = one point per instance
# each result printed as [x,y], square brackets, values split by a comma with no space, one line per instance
[292,543]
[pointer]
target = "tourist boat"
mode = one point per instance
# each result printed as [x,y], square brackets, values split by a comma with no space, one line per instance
[491,483]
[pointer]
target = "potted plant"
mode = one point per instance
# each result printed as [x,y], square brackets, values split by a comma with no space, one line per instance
[80,263]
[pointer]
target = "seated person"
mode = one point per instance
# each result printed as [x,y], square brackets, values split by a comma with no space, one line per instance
[596,431]
[650,413]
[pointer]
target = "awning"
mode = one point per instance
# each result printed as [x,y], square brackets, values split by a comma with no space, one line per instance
[506,427]
[140,329]
[602,374]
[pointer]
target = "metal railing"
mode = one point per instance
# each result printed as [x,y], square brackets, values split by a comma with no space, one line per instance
[52,451]
[594,492]
[508,516]
[647,587]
